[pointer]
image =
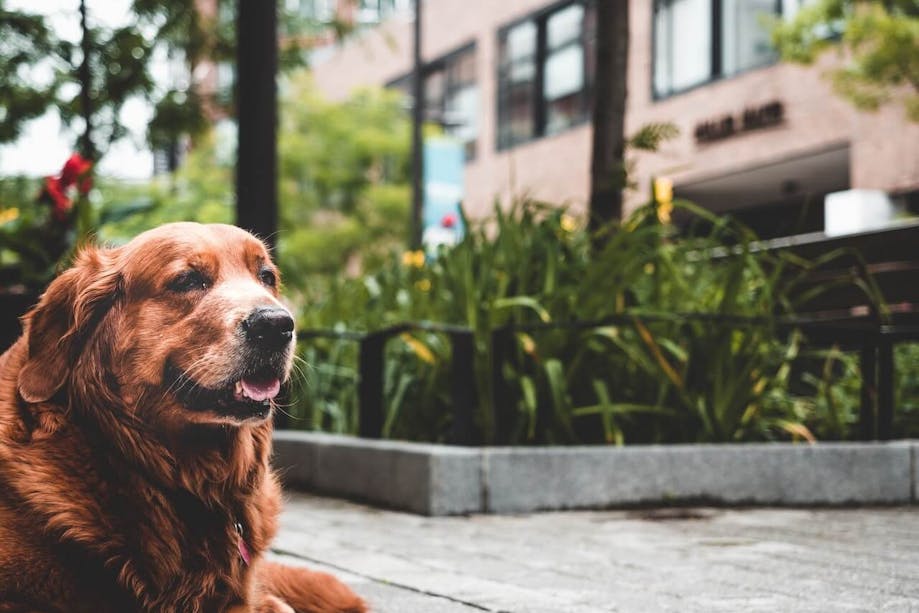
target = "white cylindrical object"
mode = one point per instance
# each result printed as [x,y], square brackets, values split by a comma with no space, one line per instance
[858,210]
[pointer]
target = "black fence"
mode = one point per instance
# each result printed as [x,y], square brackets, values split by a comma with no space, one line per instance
[873,341]
[371,357]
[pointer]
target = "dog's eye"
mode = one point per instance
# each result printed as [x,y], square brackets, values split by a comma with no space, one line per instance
[189,281]
[267,276]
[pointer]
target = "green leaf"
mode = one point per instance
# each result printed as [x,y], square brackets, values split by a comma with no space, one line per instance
[523,302]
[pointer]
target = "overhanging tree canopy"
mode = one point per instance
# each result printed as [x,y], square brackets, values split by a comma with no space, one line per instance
[880,44]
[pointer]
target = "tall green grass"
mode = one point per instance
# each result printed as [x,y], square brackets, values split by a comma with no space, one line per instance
[726,372]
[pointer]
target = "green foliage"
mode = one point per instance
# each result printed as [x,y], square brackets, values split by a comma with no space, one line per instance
[906,387]
[42,221]
[177,112]
[47,74]
[201,190]
[651,136]
[36,244]
[32,242]
[343,184]
[880,40]
[41,71]
[344,188]
[832,388]
[343,191]
[24,42]
[648,376]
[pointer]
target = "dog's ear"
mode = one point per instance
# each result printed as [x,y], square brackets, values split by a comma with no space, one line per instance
[64,319]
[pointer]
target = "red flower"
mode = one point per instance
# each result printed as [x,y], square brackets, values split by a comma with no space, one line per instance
[76,171]
[53,192]
[448,221]
[77,168]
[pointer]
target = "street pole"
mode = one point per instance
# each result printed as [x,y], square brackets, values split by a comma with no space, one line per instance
[257,113]
[417,138]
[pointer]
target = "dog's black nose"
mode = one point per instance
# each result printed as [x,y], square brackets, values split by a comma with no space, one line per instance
[269,328]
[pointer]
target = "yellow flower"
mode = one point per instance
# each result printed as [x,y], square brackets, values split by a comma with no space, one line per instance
[568,223]
[527,342]
[414,259]
[8,215]
[418,348]
[664,211]
[663,190]
[423,285]
[663,196]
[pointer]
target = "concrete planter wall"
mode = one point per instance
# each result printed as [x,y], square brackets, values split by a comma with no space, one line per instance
[444,480]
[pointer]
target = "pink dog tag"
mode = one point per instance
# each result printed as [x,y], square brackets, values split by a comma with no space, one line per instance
[241,545]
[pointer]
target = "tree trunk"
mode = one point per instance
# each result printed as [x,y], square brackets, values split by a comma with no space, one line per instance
[607,167]
[84,75]
[257,117]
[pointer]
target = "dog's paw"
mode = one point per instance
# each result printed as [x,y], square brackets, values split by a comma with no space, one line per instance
[309,591]
[267,604]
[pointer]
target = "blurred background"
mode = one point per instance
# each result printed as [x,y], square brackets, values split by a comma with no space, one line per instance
[502,163]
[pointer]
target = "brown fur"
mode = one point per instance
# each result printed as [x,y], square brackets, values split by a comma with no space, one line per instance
[114,495]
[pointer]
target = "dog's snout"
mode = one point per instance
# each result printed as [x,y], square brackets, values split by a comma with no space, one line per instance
[269,328]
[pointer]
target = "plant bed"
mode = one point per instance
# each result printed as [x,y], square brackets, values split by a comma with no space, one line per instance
[446,480]
[523,334]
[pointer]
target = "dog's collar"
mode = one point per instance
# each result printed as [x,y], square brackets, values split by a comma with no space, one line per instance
[241,545]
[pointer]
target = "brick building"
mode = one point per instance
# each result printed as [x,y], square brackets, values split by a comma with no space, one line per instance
[512,79]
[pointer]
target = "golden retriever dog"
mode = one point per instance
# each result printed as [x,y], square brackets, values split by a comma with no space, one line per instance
[135,435]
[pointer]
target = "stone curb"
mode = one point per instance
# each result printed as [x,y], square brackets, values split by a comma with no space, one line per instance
[426,479]
[446,480]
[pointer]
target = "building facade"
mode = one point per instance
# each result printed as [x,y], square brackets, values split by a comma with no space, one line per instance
[512,80]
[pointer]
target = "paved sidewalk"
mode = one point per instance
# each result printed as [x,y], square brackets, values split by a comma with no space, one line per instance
[680,560]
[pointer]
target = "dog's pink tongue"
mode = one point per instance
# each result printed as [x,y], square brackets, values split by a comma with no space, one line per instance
[260,390]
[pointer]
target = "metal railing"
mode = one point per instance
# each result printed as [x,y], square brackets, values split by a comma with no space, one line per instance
[873,340]
[371,362]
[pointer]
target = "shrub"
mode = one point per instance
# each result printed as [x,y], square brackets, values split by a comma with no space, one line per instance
[686,346]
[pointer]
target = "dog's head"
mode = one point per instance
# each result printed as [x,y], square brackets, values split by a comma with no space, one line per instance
[181,325]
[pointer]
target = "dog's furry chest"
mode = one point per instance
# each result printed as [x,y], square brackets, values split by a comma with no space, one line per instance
[107,535]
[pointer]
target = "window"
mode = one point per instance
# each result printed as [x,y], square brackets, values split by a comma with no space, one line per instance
[790,8]
[322,11]
[696,41]
[544,74]
[682,45]
[451,96]
[224,83]
[564,82]
[375,11]
[516,85]
[461,101]
[745,39]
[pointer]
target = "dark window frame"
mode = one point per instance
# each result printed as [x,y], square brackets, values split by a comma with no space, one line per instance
[383,10]
[716,72]
[540,19]
[442,63]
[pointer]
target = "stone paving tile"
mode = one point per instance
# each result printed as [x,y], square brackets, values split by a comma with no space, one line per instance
[383,596]
[681,560]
